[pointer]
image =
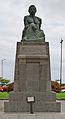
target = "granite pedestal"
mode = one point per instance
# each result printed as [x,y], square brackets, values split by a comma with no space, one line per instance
[32,79]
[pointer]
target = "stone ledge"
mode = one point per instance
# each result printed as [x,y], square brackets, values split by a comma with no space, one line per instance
[33,56]
[33,43]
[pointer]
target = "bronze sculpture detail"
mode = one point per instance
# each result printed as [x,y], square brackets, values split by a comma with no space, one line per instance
[32,29]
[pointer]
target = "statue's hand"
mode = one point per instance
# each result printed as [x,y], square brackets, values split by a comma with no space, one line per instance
[33,26]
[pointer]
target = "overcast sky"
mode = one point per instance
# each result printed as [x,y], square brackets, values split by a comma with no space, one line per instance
[12,13]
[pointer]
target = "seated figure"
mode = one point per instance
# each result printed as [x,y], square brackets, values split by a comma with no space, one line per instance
[32,27]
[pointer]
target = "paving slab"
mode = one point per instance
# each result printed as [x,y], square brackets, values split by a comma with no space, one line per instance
[52,115]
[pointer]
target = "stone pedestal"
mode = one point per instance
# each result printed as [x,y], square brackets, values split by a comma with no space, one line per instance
[32,78]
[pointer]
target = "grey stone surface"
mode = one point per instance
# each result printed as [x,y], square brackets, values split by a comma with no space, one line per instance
[38,106]
[32,67]
[35,115]
[42,96]
[32,78]
[11,106]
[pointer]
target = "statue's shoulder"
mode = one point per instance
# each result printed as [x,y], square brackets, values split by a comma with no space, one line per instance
[38,18]
[26,17]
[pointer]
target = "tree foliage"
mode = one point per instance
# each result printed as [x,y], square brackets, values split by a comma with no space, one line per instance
[55,86]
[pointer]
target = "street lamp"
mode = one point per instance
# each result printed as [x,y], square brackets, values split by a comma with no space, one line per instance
[2,66]
[61,63]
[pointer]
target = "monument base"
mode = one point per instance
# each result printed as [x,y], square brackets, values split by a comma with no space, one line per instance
[32,79]
[44,102]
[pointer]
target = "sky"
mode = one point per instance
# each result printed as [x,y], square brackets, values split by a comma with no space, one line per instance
[12,12]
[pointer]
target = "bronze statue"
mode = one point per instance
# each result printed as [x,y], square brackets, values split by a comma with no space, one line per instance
[32,29]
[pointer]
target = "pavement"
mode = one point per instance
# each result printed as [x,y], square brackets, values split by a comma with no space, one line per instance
[38,115]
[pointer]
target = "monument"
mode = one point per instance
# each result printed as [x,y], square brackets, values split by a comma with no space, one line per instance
[32,81]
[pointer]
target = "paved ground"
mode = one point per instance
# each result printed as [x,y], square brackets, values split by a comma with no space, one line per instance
[39,115]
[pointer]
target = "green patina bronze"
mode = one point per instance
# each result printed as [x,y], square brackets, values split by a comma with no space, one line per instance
[32,29]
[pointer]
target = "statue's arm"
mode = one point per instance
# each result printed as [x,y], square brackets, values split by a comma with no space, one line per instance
[40,23]
[25,22]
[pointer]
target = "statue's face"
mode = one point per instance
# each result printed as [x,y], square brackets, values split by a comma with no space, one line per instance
[32,10]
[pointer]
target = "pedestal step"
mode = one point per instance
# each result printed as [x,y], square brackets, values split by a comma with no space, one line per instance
[39,106]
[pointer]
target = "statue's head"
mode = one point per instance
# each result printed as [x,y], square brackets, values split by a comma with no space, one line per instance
[32,10]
